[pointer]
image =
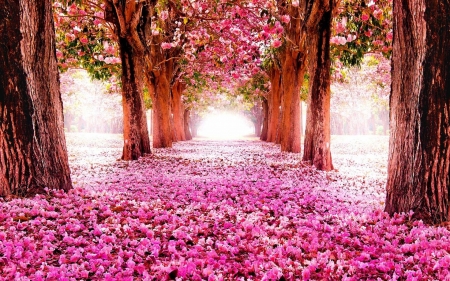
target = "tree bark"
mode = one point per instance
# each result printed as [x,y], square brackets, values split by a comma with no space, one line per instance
[292,79]
[265,122]
[187,121]
[303,17]
[317,134]
[132,24]
[178,112]
[419,147]
[135,130]
[33,152]
[274,103]
[162,128]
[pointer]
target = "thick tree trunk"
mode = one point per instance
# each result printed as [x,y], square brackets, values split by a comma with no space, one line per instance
[162,129]
[317,134]
[419,147]
[178,112]
[33,152]
[187,121]
[132,44]
[265,122]
[274,103]
[292,78]
[135,131]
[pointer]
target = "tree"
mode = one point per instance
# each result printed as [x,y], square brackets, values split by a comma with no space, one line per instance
[178,111]
[32,142]
[317,136]
[274,104]
[360,39]
[88,33]
[132,30]
[419,152]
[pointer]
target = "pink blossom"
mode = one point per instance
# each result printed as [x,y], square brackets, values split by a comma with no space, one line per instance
[364,17]
[389,36]
[59,54]
[70,36]
[99,15]
[285,18]
[166,45]
[210,210]
[84,40]
[164,15]
[351,37]
[378,14]
[276,43]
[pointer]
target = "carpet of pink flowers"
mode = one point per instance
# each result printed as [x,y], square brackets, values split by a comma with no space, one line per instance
[218,210]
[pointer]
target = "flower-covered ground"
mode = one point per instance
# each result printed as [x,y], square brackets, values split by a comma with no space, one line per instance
[218,210]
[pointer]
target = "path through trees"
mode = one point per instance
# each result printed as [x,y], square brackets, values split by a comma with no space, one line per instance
[218,210]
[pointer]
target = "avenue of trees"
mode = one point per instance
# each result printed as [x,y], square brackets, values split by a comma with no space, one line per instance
[179,54]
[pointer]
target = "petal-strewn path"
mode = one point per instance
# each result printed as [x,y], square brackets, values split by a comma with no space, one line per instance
[216,210]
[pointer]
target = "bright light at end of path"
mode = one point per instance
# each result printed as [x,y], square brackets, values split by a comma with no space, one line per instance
[225,125]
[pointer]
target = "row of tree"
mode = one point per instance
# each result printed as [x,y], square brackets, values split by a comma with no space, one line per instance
[165,45]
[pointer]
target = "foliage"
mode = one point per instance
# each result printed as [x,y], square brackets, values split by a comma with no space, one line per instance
[361,27]
[84,39]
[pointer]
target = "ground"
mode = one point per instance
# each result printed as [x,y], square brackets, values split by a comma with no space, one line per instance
[219,210]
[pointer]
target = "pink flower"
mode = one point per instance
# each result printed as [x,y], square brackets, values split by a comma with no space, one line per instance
[70,36]
[59,55]
[339,40]
[276,43]
[99,15]
[389,36]
[84,40]
[285,18]
[294,3]
[378,14]
[351,37]
[164,15]
[365,17]
[166,45]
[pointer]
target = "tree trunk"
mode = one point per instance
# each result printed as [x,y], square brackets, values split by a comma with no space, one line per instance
[178,112]
[33,152]
[317,135]
[187,121]
[162,129]
[292,79]
[274,103]
[135,131]
[419,147]
[132,45]
[265,107]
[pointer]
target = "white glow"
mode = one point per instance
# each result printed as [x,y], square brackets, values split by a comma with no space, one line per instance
[225,125]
